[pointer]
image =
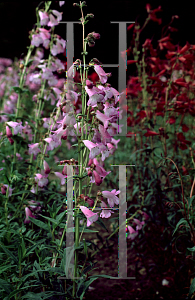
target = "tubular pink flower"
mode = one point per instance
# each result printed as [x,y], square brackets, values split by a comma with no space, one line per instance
[59,47]
[106,213]
[36,40]
[62,177]
[103,118]
[145,216]
[28,214]
[44,18]
[102,75]
[71,71]
[34,205]
[34,148]
[42,180]
[61,3]
[132,235]
[94,149]
[100,170]
[93,100]
[10,190]
[17,126]
[58,15]
[106,137]
[111,197]
[52,143]
[97,177]
[8,132]
[91,216]
[93,90]
[138,223]
[52,21]
[111,148]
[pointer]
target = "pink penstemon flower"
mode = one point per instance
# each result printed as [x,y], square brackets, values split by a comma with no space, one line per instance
[138,223]
[46,167]
[8,132]
[28,214]
[35,206]
[103,118]
[102,75]
[59,47]
[17,126]
[97,173]
[41,179]
[52,20]
[61,3]
[91,216]
[94,149]
[106,213]
[44,18]
[5,187]
[61,176]
[111,197]
[34,148]
[132,233]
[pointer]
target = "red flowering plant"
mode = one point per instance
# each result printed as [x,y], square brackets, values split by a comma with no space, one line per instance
[160,120]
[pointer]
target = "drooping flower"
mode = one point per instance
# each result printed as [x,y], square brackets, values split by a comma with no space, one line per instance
[17,126]
[62,177]
[41,179]
[28,214]
[94,149]
[91,216]
[103,118]
[8,132]
[61,3]
[44,18]
[34,148]
[111,197]
[35,206]
[132,233]
[138,223]
[59,47]
[102,75]
[52,21]
[150,133]
[46,167]
[106,213]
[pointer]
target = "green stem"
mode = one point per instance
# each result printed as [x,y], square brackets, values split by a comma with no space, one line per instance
[80,157]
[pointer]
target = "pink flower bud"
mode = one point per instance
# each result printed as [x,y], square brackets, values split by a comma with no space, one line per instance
[3,190]
[11,141]
[89,84]
[89,201]
[89,173]
[28,214]
[8,132]
[46,167]
[96,35]
[98,179]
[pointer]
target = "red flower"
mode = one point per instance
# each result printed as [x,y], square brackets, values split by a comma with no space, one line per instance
[171,120]
[130,61]
[130,26]
[185,128]
[150,133]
